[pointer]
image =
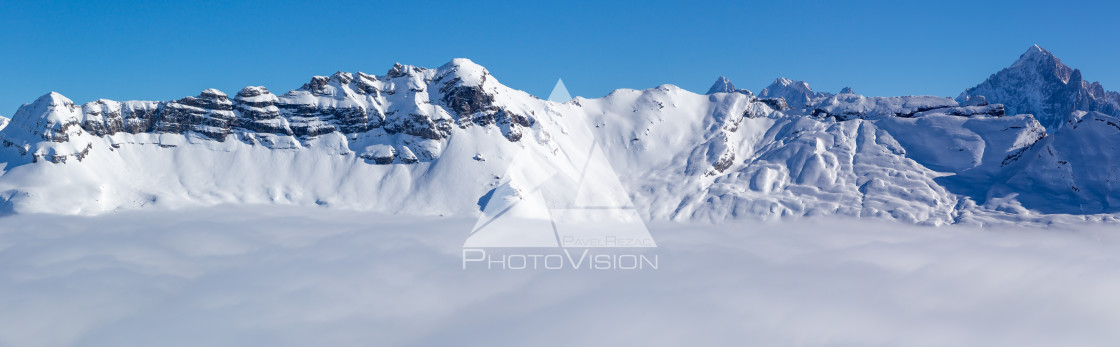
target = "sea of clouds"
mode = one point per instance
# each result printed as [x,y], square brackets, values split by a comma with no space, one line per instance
[288,276]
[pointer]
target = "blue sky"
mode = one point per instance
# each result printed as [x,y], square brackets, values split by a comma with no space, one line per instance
[161,50]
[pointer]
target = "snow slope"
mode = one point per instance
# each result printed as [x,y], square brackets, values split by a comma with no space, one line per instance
[440,141]
[1077,171]
[721,156]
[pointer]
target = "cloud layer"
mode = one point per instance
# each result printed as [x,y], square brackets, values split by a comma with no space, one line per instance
[277,276]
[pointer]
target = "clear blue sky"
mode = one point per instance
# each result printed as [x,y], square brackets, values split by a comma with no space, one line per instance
[158,51]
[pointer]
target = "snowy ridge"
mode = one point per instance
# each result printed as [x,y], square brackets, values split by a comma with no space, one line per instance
[335,141]
[847,106]
[742,158]
[439,141]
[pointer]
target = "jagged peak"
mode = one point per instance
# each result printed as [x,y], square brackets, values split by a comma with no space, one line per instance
[1075,76]
[1043,61]
[337,84]
[342,77]
[782,81]
[1038,83]
[785,83]
[316,83]
[466,71]
[722,85]
[401,70]
[1035,50]
[847,90]
[796,93]
[364,83]
[365,76]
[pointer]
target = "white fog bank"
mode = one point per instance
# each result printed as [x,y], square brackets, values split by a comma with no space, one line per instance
[283,276]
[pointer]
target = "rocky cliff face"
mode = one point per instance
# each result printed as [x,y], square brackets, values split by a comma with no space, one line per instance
[1040,84]
[406,106]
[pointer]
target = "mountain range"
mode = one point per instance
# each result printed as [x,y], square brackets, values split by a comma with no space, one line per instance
[1034,142]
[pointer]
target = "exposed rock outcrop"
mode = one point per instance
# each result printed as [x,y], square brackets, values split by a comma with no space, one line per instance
[423,104]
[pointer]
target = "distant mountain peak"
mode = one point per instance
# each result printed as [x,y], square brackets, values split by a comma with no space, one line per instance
[1043,62]
[401,70]
[1036,50]
[797,93]
[1038,83]
[722,85]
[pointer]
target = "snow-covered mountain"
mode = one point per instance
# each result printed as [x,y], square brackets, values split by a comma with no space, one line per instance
[440,141]
[729,155]
[1039,84]
[1076,171]
[797,94]
[352,140]
[724,85]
